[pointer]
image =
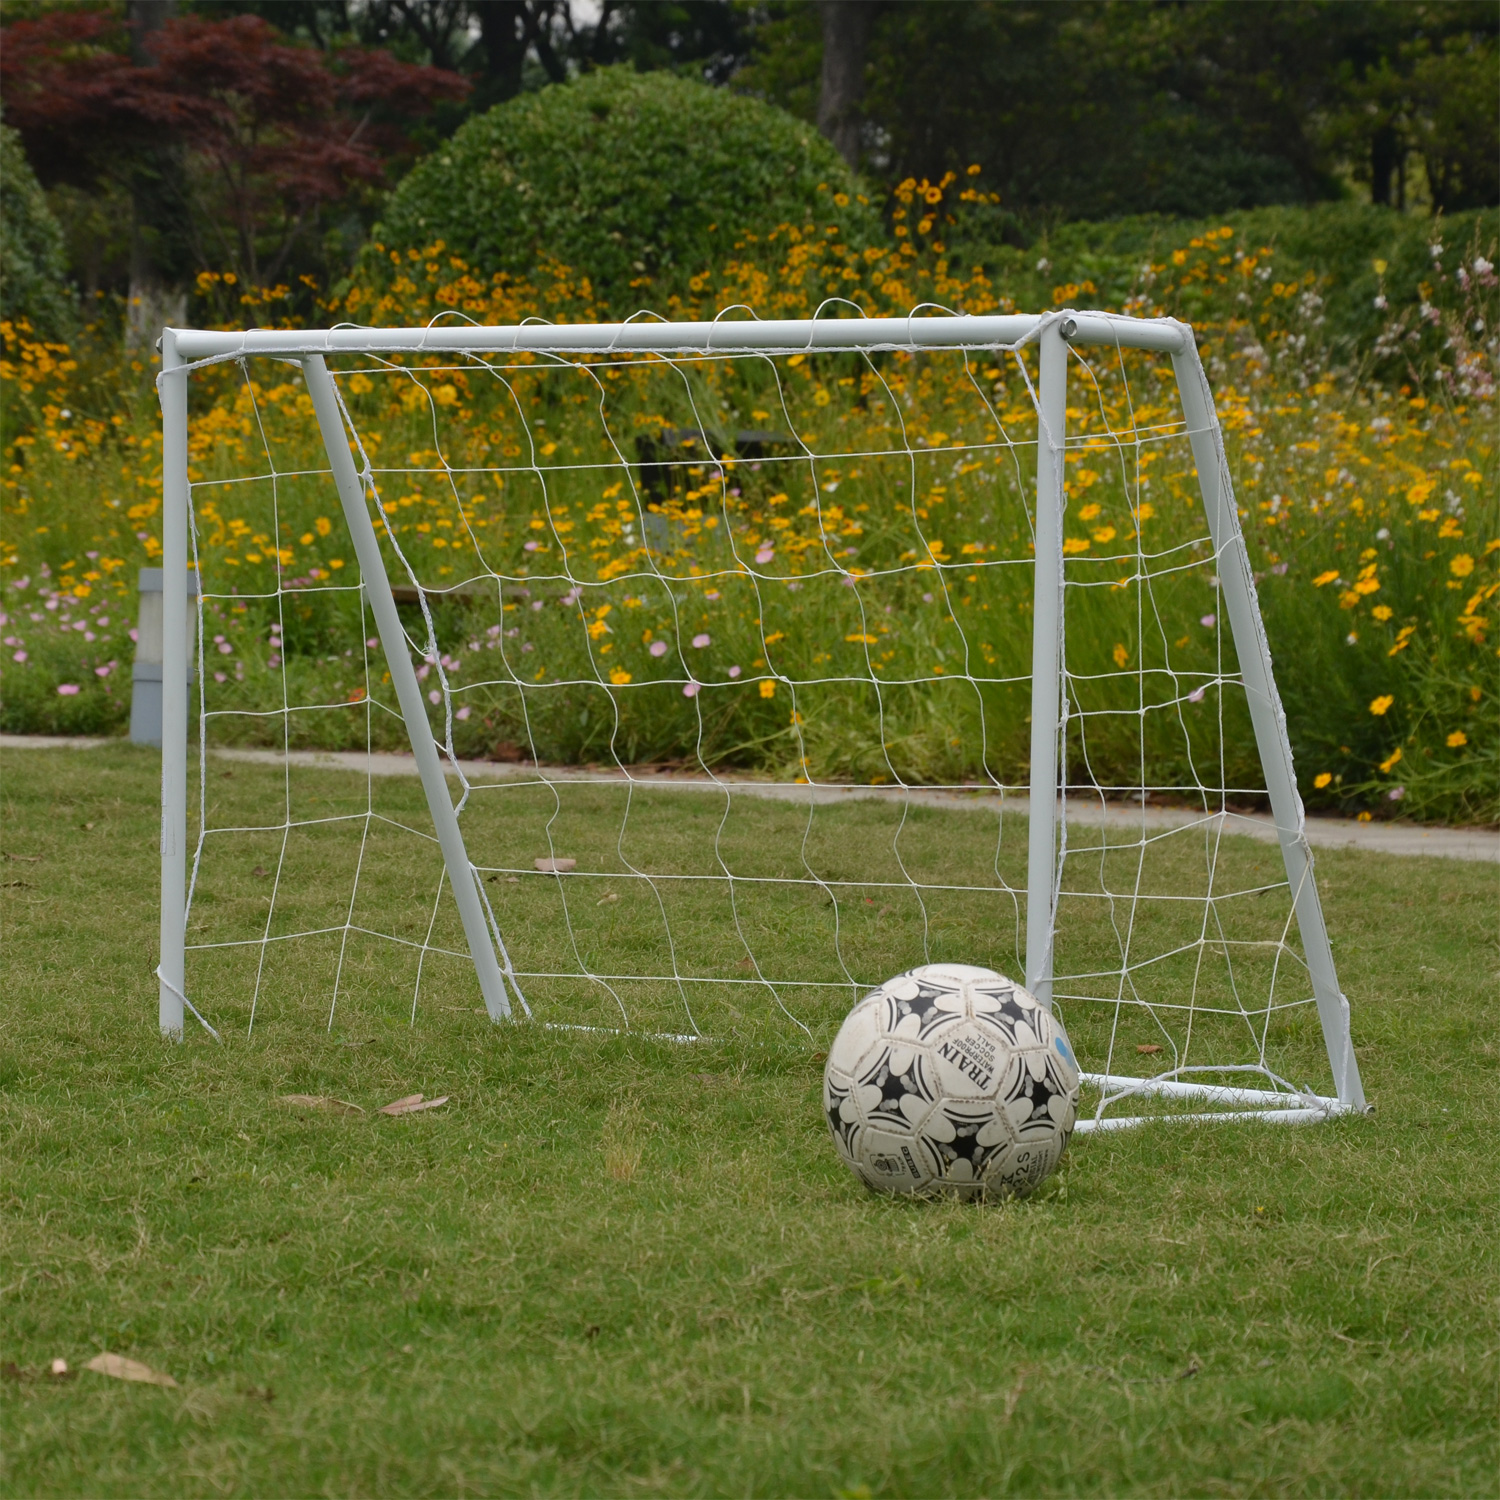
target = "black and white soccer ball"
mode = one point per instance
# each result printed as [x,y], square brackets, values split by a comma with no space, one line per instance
[952,1079]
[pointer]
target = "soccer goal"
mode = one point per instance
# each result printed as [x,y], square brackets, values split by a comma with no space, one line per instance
[692,678]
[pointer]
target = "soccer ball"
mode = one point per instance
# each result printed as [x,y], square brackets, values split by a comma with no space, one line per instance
[951,1078]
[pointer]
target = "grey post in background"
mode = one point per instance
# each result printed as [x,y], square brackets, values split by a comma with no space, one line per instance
[145,686]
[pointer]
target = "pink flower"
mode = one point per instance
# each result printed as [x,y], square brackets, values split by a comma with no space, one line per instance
[1209,620]
[373,642]
[700,641]
[1196,696]
[220,677]
[19,656]
[1396,793]
[464,712]
[689,690]
[225,649]
[67,689]
[135,634]
[531,546]
[658,648]
[105,670]
[765,554]
[734,671]
[434,696]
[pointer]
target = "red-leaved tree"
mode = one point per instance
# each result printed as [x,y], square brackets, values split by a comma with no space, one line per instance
[267,133]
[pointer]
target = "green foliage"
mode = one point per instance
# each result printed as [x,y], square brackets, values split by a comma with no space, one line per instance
[1352,256]
[638,181]
[1091,110]
[33,272]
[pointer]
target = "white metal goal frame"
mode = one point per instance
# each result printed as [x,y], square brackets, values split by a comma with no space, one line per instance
[184,350]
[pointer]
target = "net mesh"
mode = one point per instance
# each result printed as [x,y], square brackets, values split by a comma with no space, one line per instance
[729,661]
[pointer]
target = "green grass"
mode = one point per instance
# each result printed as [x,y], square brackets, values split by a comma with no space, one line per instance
[616,1266]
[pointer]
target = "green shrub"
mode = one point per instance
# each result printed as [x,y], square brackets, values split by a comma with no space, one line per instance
[1362,316]
[33,267]
[638,181]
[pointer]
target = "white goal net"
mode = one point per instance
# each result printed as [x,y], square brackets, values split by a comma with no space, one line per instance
[695,678]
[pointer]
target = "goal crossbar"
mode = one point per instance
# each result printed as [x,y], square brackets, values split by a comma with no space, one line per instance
[1051,334]
[722,336]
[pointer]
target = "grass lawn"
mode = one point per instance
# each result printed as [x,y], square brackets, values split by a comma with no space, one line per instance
[620,1266]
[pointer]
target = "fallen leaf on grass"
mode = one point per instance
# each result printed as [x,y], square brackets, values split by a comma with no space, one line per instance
[322,1101]
[605,900]
[120,1368]
[58,1368]
[559,866]
[411,1104]
[1150,1049]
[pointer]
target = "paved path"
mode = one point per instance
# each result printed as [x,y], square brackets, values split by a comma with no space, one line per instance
[1481,844]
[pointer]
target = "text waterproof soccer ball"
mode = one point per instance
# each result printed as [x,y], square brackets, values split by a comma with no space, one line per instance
[951,1078]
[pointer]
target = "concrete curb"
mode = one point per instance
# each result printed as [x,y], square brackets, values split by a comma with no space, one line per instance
[1475,844]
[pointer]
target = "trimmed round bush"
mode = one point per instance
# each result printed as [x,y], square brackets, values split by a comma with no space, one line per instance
[624,175]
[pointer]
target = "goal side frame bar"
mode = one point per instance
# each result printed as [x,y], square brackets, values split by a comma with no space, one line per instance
[182,349]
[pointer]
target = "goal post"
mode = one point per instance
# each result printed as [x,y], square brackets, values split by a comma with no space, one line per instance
[1067,704]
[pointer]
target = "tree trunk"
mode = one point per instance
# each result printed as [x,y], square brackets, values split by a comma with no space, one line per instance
[158,196]
[1383,149]
[846,32]
[503,35]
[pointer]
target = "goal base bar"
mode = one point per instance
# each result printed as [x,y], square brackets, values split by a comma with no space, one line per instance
[1272,1106]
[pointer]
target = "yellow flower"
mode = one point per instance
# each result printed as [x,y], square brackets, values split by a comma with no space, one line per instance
[1120,654]
[619,676]
[1457,738]
[1390,760]
[1075,544]
[1104,534]
[1322,779]
[1379,705]
[768,688]
[1382,612]
[1327,577]
[1462,565]
[1089,512]
[322,525]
